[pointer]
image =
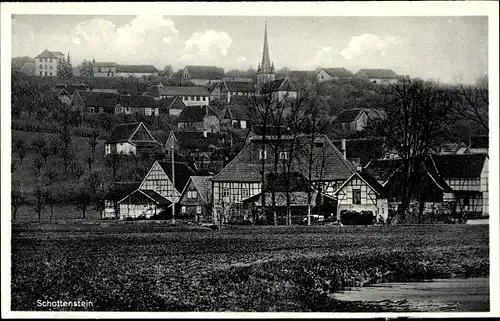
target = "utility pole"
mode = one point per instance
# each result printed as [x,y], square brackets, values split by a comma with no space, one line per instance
[173,186]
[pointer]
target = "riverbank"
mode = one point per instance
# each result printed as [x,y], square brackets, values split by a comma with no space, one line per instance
[293,269]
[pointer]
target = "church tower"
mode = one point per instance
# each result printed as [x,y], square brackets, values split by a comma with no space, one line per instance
[265,70]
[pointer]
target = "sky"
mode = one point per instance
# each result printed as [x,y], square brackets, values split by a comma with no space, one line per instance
[446,49]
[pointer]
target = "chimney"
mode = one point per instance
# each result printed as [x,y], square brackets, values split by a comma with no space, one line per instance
[359,167]
[344,148]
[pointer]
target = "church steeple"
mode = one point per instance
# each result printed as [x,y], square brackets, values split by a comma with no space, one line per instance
[266,62]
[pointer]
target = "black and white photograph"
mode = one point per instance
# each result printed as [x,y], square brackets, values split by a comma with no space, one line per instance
[248,159]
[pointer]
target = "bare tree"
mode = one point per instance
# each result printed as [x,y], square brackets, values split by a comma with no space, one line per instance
[17,199]
[20,147]
[39,143]
[65,136]
[417,122]
[77,170]
[51,174]
[93,141]
[40,201]
[89,159]
[44,153]
[37,164]
[113,163]
[473,103]
[54,147]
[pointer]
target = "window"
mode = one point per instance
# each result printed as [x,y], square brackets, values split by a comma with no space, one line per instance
[356,196]
[41,66]
[45,67]
[466,201]
[262,154]
[203,98]
[45,73]
[50,60]
[283,155]
[191,98]
[197,98]
[225,192]
[99,69]
[245,193]
[198,209]
[192,194]
[51,73]
[183,209]
[243,124]
[40,73]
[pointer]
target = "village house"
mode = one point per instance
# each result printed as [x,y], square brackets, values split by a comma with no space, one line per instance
[467,175]
[116,192]
[26,65]
[279,89]
[192,144]
[95,102]
[104,69]
[142,204]
[242,177]
[236,88]
[378,76]
[202,75]
[47,62]
[172,106]
[198,118]
[237,117]
[356,119]
[195,200]
[326,74]
[362,192]
[131,104]
[138,71]
[190,95]
[452,148]
[130,138]
[62,95]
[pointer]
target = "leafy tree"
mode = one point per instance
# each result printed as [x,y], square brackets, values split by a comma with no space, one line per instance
[86,68]
[167,72]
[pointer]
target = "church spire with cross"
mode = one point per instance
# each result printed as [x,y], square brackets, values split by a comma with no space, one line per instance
[265,71]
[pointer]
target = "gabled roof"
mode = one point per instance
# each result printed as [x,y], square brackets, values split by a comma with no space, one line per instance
[239,86]
[99,99]
[237,112]
[49,54]
[349,115]
[195,114]
[196,140]
[328,162]
[204,186]
[459,165]
[150,194]
[368,179]
[382,169]
[205,72]
[171,102]
[18,62]
[479,141]
[338,72]
[105,64]
[143,69]
[283,84]
[183,91]
[137,101]
[125,132]
[377,73]
[182,173]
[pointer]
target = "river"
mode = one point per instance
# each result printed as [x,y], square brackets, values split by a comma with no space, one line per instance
[456,294]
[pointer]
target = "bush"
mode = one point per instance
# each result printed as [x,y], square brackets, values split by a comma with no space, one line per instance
[357,218]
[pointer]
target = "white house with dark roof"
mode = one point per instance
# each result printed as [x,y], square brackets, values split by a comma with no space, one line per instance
[202,75]
[47,62]
[131,104]
[280,89]
[325,74]
[378,76]
[130,138]
[190,95]
[356,119]
[104,69]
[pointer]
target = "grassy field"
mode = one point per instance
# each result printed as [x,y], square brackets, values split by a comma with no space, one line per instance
[155,267]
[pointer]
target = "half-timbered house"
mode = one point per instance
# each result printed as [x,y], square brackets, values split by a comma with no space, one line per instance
[198,118]
[142,204]
[242,177]
[196,198]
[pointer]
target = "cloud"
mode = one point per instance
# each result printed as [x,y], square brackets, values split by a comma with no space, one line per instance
[143,40]
[326,56]
[206,47]
[368,45]
[23,37]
